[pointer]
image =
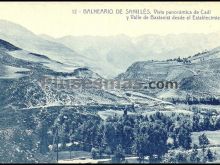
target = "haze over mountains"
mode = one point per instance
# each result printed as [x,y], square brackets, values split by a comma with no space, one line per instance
[121,51]
[110,56]
[107,55]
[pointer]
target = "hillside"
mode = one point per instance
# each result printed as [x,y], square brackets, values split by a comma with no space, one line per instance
[24,39]
[116,53]
[55,97]
[200,77]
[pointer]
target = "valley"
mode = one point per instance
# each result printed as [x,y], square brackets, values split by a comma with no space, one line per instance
[113,125]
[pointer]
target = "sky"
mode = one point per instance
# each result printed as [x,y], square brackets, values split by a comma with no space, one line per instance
[56,18]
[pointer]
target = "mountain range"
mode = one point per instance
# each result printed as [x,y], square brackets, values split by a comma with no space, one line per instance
[106,55]
[120,51]
[36,115]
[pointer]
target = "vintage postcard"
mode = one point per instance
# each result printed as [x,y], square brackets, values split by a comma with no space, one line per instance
[109,82]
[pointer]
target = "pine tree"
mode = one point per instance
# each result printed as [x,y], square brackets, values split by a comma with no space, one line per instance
[194,154]
[203,142]
[210,156]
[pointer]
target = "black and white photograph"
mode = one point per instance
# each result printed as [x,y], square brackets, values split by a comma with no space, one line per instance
[109,82]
